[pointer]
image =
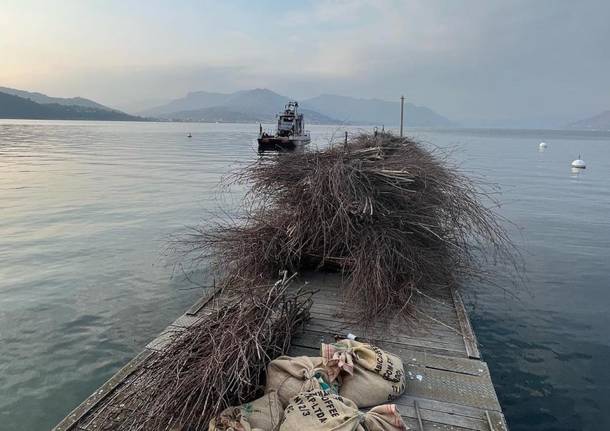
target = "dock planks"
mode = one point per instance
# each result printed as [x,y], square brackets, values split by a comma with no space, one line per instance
[448,387]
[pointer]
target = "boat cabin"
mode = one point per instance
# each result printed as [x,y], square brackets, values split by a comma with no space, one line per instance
[290,122]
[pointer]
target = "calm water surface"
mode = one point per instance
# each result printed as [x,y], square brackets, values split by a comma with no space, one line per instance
[86,210]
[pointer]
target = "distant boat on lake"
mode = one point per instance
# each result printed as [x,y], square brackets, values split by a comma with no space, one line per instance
[290,130]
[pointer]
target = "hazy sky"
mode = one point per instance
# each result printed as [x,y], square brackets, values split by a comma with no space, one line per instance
[473,61]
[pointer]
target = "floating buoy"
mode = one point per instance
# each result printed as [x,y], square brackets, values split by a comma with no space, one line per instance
[579,163]
[189,136]
[542,145]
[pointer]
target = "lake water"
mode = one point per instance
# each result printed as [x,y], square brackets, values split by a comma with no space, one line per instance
[86,210]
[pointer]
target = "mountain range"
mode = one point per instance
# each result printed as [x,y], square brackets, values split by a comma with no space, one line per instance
[24,104]
[44,99]
[597,122]
[247,106]
[375,111]
[261,105]
[256,105]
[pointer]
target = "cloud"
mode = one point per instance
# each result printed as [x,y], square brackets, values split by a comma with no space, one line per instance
[470,60]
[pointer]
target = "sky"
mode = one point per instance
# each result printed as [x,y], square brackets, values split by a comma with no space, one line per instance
[478,62]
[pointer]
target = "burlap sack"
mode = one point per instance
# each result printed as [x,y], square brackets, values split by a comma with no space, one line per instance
[366,374]
[263,414]
[324,411]
[290,376]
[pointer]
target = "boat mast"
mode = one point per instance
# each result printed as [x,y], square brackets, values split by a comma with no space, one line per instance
[402,110]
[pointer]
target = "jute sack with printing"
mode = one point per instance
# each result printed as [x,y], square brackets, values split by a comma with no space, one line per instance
[290,376]
[262,414]
[325,411]
[366,374]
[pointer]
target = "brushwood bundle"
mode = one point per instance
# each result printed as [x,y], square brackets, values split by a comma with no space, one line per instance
[394,217]
[218,362]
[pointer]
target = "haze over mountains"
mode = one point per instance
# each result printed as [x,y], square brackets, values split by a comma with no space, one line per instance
[247,106]
[375,111]
[26,105]
[597,122]
[263,105]
[242,106]
[43,98]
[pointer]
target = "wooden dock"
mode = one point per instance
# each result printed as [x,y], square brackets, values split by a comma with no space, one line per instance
[448,386]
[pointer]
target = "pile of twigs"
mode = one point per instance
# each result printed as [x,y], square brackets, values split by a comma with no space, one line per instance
[393,216]
[218,362]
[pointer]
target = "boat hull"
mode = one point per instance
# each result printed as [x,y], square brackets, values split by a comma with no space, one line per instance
[272,142]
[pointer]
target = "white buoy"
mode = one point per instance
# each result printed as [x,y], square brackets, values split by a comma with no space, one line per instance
[542,145]
[189,136]
[579,163]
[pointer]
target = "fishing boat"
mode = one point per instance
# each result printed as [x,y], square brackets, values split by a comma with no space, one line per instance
[290,131]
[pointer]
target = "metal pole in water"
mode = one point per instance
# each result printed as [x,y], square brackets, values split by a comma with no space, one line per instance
[402,111]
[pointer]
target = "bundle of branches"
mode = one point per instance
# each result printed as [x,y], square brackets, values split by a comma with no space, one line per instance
[218,362]
[393,216]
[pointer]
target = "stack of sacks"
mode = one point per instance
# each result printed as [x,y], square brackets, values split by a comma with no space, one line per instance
[263,414]
[290,376]
[366,374]
[325,411]
[325,393]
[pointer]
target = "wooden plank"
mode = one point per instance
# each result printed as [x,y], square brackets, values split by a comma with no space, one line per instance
[442,318]
[187,320]
[165,338]
[107,388]
[332,290]
[498,422]
[445,319]
[203,301]
[434,419]
[408,327]
[441,406]
[307,343]
[470,341]
[446,315]
[430,426]
[304,351]
[340,328]
[312,338]
[428,342]
[479,424]
[412,327]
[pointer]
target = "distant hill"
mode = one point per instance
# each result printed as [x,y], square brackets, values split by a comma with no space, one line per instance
[12,106]
[262,102]
[192,101]
[597,122]
[241,106]
[43,98]
[240,101]
[212,114]
[263,105]
[375,111]
[224,114]
[257,105]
